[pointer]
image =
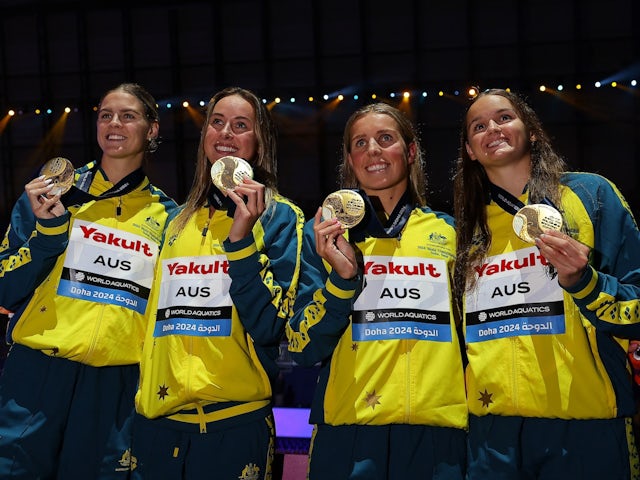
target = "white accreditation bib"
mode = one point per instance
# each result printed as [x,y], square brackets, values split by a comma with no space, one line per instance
[194,297]
[403,298]
[514,296]
[108,265]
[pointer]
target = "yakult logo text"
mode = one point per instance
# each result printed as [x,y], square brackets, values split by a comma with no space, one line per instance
[393,268]
[194,268]
[93,234]
[505,265]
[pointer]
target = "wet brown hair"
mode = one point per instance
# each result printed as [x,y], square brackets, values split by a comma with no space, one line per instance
[471,188]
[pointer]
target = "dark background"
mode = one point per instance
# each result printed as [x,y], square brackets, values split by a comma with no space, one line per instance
[57,53]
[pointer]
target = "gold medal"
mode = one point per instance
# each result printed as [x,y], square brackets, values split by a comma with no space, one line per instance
[61,173]
[227,172]
[531,221]
[345,205]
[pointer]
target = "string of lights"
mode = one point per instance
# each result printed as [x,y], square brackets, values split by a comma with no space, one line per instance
[469,92]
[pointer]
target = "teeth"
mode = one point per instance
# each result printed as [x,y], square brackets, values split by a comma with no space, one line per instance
[221,148]
[376,167]
[495,144]
[115,137]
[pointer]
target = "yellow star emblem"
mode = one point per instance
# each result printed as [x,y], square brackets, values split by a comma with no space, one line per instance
[372,399]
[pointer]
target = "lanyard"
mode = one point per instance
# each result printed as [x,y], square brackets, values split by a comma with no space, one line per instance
[79,193]
[508,202]
[505,200]
[371,226]
[219,201]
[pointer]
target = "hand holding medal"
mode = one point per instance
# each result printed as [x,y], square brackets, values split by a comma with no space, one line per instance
[57,176]
[60,172]
[542,224]
[228,172]
[247,199]
[347,206]
[341,210]
[532,220]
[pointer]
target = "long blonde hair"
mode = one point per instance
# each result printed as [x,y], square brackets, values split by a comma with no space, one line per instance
[264,163]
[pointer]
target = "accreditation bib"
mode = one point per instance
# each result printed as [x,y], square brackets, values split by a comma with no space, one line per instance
[108,265]
[403,298]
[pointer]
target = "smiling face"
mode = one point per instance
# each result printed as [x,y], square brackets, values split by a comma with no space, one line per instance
[231,130]
[496,136]
[378,155]
[123,129]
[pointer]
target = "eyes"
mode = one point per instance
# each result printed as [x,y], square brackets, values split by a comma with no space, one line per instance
[124,117]
[482,125]
[383,139]
[237,126]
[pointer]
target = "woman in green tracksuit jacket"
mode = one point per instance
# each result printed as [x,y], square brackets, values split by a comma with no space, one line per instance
[223,291]
[549,387]
[390,401]
[77,271]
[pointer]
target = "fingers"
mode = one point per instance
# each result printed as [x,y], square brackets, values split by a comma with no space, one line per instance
[38,187]
[47,206]
[250,195]
[563,257]
[249,200]
[43,204]
[563,245]
[569,257]
[326,231]
[333,247]
[551,234]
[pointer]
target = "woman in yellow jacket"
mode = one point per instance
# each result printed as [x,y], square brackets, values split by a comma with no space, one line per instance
[77,271]
[223,291]
[541,254]
[375,311]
